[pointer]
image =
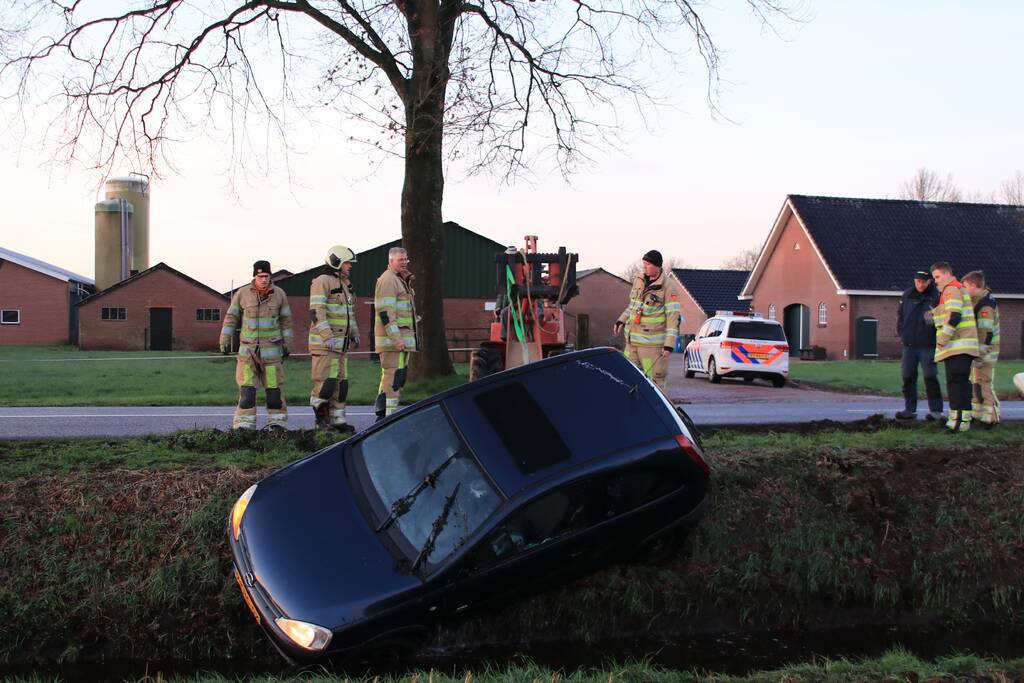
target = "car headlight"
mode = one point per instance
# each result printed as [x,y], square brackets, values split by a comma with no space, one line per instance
[309,636]
[239,510]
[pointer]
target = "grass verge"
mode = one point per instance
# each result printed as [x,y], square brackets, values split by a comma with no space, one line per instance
[163,378]
[119,549]
[882,377]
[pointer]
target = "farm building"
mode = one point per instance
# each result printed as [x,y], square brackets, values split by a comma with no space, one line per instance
[37,301]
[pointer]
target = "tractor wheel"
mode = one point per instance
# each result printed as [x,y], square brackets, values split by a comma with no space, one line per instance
[486,361]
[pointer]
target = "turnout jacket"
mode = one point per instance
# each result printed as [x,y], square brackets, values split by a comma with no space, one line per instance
[332,312]
[396,312]
[263,322]
[955,330]
[986,316]
[652,316]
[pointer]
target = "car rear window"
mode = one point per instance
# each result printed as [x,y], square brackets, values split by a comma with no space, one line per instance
[748,329]
[523,427]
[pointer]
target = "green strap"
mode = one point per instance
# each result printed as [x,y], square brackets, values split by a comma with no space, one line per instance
[401,360]
[517,317]
[648,364]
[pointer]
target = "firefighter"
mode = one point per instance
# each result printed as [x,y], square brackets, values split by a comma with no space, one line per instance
[956,343]
[986,315]
[651,320]
[260,311]
[394,329]
[332,332]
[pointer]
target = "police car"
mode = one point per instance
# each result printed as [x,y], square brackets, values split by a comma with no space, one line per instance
[734,344]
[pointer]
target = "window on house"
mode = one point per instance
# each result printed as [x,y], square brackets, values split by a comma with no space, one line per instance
[822,314]
[113,313]
[771,311]
[10,316]
[207,314]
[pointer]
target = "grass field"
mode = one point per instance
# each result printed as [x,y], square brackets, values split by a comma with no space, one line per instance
[64,376]
[883,376]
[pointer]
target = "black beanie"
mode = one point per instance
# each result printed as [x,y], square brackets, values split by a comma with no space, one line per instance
[260,267]
[653,257]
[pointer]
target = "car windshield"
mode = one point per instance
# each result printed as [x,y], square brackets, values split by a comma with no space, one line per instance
[399,458]
[752,330]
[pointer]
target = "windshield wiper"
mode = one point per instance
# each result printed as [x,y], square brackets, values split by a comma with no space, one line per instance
[435,530]
[403,504]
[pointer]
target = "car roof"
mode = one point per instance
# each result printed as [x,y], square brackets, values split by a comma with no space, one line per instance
[746,318]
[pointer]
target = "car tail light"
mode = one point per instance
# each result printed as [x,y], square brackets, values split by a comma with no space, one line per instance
[730,344]
[692,451]
[782,347]
[239,509]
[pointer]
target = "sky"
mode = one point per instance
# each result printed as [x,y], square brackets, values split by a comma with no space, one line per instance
[850,102]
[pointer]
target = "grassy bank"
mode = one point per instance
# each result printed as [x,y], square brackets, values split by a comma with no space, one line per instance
[895,665]
[115,548]
[64,376]
[882,377]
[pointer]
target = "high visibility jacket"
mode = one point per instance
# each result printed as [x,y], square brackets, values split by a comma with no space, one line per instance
[396,312]
[332,311]
[652,316]
[955,329]
[263,321]
[986,316]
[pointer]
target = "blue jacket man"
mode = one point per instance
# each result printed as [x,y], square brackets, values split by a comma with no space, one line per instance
[918,340]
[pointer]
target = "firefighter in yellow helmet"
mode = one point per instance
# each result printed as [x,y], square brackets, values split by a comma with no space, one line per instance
[394,329]
[956,343]
[332,332]
[985,403]
[261,313]
[651,320]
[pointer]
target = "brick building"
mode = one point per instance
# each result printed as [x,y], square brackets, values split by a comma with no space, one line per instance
[832,269]
[706,291]
[37,301]
[602,298]
[159,309]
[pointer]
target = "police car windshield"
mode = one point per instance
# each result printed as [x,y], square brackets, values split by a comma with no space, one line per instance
[748,329]
[399,457]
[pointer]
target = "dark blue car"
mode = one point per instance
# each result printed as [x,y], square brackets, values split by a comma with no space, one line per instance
[474,495]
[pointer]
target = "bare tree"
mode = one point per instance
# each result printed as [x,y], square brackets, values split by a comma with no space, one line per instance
[929,186]
[502,81]
[636,267]
[745,260]
[1012,190]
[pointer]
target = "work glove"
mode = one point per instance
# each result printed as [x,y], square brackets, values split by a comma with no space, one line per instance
[335,344]
[355,341]
[929,317]
[225,345]
[285,351]
[978,363]
[617,327]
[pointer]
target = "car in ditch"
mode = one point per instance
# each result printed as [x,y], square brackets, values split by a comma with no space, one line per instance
[483,492]
[739,344]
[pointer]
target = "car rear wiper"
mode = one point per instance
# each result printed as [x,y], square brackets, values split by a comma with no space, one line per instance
[437,528]
[403,504]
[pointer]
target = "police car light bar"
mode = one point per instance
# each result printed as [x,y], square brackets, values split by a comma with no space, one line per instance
[741,314]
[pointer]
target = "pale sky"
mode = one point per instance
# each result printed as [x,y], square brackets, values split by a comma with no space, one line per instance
[850,103]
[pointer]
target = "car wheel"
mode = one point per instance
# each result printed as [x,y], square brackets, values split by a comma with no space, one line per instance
[713,375]
[778,382]
[485,361]
[687,372]
[748,380]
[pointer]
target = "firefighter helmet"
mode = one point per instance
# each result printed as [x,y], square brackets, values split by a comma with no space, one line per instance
[338,255]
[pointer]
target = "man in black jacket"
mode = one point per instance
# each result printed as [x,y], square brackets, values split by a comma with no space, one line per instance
[918,338]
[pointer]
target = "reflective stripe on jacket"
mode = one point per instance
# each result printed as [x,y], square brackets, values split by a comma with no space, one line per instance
[263,320]
[986,316]
[652,316]
[962,338]
[393,300]
[332,311]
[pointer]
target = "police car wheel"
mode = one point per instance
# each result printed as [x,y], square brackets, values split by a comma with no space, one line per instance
[778,382]
[713,375]
[748,380]
[687,372]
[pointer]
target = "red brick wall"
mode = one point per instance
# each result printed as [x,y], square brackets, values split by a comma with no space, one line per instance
[158,289]
[603,297]
[693,315]
[44,303]
[798,276]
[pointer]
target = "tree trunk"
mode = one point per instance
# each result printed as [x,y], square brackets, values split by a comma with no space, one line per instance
[422,195]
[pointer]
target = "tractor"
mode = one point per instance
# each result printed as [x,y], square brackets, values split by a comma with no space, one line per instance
[529,321]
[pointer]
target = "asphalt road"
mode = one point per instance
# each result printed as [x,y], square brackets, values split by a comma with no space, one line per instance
[732,402]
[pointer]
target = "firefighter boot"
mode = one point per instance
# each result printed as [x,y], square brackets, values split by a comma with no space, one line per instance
[380,406]
[322,414]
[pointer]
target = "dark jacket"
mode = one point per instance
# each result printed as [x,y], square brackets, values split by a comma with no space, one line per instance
[910,324]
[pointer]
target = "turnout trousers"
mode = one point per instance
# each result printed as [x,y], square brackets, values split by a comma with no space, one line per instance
[393,372]
[252,373]
[650,361]
[985,403]
[330,385]
[958,388]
